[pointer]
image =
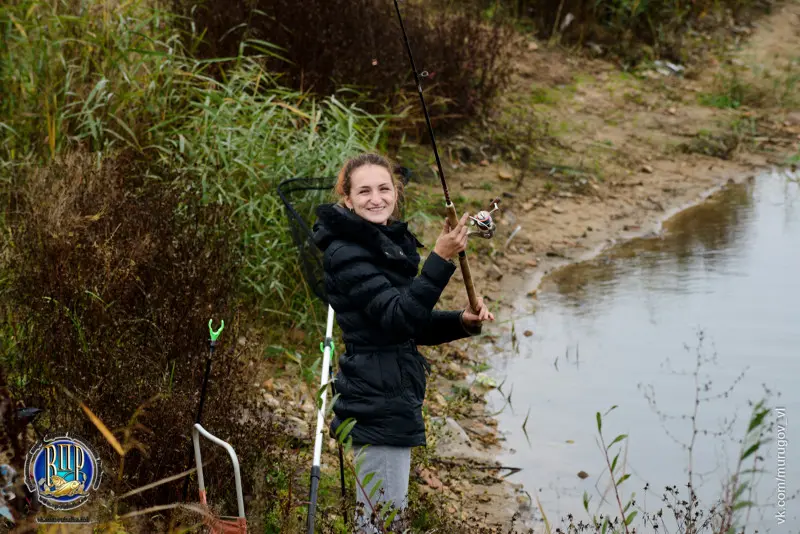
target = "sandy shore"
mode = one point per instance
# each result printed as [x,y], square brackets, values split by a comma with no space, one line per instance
[647,140]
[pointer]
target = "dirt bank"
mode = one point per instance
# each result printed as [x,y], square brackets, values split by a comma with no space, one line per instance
[617,154]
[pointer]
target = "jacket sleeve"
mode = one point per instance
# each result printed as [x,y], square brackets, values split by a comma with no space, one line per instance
[446,326]
[407,311]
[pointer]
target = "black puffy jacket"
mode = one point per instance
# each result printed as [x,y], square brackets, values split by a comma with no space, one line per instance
[384,311]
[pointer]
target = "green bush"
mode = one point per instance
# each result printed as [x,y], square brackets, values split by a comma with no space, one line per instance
[321,46]
[633,29]
[138,201]
[105,81]
[84,75]
[110,279]
[244,136]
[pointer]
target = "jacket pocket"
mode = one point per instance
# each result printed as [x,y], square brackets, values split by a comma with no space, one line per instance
[372,374]
[359,385]
[362,372]
[391,374]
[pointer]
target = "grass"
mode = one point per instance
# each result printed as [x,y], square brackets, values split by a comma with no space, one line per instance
[755,87]
[100,80]
[120,79]
[362,47]
[734,136]
[242,142]
[106,114]
[630,31]
[544,95]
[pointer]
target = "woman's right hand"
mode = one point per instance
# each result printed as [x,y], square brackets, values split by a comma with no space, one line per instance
[452,241]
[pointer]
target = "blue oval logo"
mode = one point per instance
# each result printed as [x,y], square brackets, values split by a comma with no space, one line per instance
[63,472]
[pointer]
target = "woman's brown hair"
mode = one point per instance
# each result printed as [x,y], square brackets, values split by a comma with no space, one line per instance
[344,181]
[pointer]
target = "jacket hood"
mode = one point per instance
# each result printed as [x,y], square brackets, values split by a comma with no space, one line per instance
[336,222]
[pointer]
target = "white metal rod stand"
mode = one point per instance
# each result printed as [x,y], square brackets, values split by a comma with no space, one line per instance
[315,468]
[241,523]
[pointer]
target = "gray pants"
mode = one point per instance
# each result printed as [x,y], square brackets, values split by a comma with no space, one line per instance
[391,467]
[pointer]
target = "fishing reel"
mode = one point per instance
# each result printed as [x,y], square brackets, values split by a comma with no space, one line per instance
[484,222]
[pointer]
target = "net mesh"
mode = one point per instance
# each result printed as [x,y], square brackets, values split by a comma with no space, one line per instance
[300,197]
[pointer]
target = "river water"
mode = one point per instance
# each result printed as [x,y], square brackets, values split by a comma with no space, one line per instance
[720,286]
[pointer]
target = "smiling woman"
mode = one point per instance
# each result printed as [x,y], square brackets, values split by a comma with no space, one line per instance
[385,310]
[368,188]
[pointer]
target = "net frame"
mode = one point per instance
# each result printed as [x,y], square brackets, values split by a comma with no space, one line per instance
[300,197]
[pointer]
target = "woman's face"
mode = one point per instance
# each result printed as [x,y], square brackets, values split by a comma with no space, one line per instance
[372,193]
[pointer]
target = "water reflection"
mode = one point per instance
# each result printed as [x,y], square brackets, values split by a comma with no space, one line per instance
[700,234]
[728,267]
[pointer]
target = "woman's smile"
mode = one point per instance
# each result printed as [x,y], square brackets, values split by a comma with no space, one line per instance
[373,194]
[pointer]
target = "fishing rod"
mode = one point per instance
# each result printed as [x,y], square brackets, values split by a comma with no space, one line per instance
[483,220]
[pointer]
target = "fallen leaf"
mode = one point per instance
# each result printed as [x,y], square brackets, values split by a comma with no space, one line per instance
[431,480]
[103,429]
[296,335]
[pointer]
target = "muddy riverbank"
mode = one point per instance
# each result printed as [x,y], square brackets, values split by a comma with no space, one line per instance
[644,136]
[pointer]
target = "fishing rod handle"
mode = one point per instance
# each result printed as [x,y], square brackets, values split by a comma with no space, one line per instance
[452,217]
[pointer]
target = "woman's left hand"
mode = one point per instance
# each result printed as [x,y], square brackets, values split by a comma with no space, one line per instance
[474,318]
